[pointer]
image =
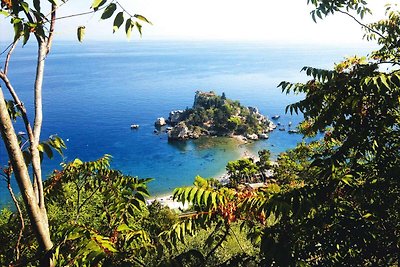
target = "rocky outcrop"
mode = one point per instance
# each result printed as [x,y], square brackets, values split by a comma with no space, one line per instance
[252,136]
[160,122]
[175,116]
[214,115]
[179,132]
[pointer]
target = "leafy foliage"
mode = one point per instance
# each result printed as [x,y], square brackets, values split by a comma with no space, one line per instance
[86,188]
[242,170]
[111,7]
[27,18]
[335,200]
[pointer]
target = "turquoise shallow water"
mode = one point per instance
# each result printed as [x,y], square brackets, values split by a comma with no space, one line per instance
[93,92]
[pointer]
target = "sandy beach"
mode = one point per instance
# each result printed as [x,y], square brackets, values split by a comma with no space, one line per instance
[167,199]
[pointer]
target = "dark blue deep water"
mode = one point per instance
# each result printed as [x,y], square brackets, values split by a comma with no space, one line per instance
[94,91]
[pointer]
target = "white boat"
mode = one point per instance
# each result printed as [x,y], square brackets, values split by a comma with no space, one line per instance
[134,126]
[275,117]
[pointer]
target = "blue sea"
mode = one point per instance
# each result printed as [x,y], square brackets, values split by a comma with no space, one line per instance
[94,91]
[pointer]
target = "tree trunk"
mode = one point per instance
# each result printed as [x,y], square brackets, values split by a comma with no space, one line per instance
[37,217]
[37,127]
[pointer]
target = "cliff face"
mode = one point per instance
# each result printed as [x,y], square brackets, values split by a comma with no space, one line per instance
[212,114]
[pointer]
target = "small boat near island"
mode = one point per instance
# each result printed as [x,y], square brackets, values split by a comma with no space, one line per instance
[134,126]
[293,131]
[275,117]
[282,129]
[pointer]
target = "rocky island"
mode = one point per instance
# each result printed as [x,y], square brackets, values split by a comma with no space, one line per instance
[214,115]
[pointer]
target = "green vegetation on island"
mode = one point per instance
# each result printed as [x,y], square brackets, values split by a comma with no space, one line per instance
[216,115]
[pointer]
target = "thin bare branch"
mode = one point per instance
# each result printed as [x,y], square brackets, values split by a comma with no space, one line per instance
[237,240]
[14,44]
[19,104]
[52,25]
[81,14]
[27,124]
[21,218]
[219,243]
[76,15]
[360,23]
[6,49]
[123,9]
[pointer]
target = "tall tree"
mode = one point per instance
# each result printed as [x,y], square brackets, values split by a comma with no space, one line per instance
[38,19]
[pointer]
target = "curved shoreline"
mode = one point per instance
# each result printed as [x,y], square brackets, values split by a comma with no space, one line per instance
[166,199]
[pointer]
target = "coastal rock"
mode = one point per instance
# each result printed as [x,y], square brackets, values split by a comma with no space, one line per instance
[214,115]
[179,132]
[252,136]
[175,116]
[253,110]
[160,122]
[193,135]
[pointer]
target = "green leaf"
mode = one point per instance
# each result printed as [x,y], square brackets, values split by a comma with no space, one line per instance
[119,19]
[74,235]
[123,227]
[214,199]
[139,27]
[25,6]
[366,216]
[81,33]
[384,81]
[47,150]
[27,157]
[142,18]
[128,27]
[18,28]
[97,3]
[347,179]
[5,13]
[36,5]
[54,2]
[27,33]
[109,11]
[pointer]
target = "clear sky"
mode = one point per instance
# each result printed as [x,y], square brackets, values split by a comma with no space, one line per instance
[259,20]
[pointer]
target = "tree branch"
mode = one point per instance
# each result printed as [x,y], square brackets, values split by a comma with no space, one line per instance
[52,25]
[362,24]
[19,104]
[38,222]
[123,9]
[237,240]
[5,50]
[85,201]
[82,14]
[21,218]
[37,125]
[219,243]
[76,15]
[14,44]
